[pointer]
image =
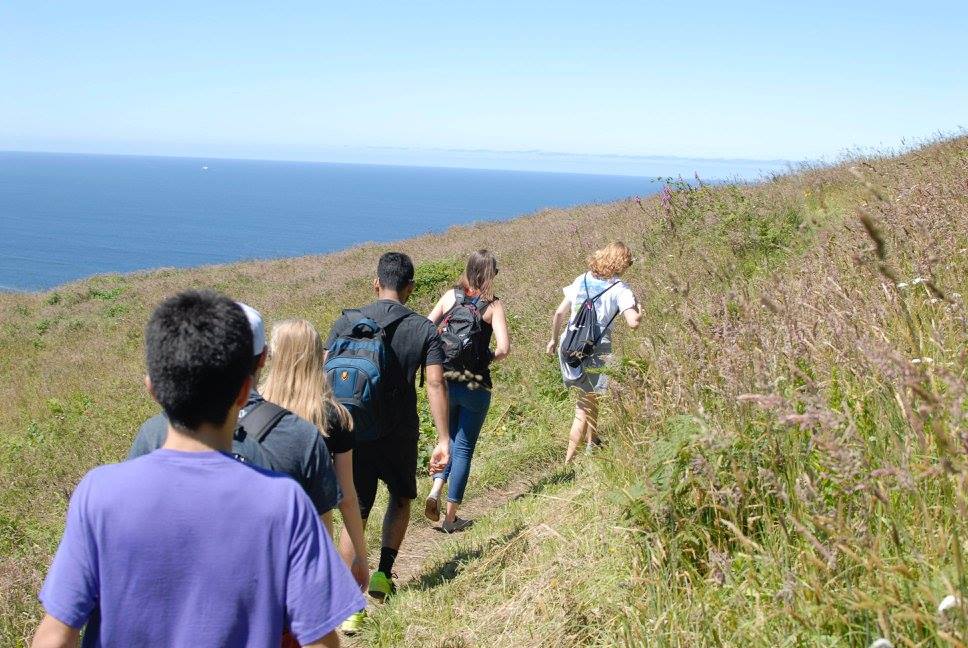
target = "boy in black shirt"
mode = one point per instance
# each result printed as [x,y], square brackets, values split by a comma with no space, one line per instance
[392,458]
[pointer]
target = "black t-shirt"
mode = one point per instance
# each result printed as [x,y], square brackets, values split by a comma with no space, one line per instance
[414,343]
[338,438]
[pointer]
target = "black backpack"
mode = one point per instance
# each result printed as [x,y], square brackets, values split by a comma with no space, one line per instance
[358,365]
[584,332]
[259,420]
[463,336]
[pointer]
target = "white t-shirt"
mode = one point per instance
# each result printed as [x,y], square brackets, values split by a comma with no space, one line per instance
[608,307]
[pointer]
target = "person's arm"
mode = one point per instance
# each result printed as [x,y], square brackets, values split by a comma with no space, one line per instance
[499,322]
[559,318]
[633,316]
[629,307]
[329,641]
[349,508]
[52,633]
[444,304]
[439,409]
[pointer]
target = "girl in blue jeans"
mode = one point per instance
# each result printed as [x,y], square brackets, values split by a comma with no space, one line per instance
[470,389]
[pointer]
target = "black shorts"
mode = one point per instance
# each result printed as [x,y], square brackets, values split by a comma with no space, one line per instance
[392,460]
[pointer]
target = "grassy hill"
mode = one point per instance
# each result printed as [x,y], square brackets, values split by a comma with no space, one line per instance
[786,457]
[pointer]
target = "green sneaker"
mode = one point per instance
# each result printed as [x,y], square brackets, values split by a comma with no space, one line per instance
[353,623]
[381,586]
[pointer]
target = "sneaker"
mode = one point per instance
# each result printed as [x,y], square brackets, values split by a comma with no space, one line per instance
[381,586]
[432,509]
[353,623]
[458,525]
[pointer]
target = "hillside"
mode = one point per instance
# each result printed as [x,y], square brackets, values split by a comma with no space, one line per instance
[786,456]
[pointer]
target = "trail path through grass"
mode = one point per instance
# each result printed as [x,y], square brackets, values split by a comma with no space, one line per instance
[425,542]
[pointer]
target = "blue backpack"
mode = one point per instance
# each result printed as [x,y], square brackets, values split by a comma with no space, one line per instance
[358,364]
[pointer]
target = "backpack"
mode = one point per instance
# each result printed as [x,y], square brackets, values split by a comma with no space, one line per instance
[463,336]
[256,422]
[358,364]
[584,331]
[259,420]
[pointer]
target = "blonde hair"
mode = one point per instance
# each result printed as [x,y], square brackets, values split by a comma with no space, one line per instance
[479,274]
[611,261]
[296,379]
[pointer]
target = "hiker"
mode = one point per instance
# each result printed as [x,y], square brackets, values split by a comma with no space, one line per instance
[268,436]
[592,302]
[295,379]
[467,317]
[186,545]
[373,356]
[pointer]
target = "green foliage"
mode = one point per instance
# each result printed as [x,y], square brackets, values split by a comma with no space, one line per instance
[434,277]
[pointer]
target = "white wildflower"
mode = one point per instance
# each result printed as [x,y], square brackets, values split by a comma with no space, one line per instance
[947,603]
[881,643]
[902,285]
[925,360]
[916,281]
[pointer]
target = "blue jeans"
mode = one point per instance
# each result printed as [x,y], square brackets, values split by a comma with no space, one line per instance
[468,409]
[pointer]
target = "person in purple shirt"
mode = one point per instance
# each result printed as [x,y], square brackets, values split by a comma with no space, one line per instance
[187,546]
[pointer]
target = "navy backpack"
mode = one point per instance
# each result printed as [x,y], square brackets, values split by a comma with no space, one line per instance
[584,331]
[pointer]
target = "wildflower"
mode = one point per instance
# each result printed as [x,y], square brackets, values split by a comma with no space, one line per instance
[947,603]
[916,281]
[881,643]
[902,285]
[924,360]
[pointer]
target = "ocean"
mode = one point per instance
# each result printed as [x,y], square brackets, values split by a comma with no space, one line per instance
[64,217]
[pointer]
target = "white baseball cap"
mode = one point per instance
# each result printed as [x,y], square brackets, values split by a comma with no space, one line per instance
[258,328]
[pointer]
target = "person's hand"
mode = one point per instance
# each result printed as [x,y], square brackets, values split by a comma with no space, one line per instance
[361,571]
[440,457]
[550,349]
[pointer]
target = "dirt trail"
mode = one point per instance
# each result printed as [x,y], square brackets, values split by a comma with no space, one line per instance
[424,537]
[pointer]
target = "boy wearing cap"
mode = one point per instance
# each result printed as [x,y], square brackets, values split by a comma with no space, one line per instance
[173,548]
[292,445]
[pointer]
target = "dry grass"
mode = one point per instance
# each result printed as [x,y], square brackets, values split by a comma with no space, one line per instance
[781,471]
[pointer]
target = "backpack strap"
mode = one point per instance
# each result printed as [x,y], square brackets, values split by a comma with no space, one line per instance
[595,298]
[605,330]
[261,418]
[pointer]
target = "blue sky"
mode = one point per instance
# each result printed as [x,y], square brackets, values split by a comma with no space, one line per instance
[455,83]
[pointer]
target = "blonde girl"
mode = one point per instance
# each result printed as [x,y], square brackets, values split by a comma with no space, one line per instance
[296,381]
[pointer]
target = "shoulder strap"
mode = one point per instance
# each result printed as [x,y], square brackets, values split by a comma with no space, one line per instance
[595,298]
[459,296]
[261,418]
[396,314]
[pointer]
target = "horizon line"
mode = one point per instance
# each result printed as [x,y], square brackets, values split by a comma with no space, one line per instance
[521,156]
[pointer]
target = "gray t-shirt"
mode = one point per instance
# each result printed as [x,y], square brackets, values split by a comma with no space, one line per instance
[293,446]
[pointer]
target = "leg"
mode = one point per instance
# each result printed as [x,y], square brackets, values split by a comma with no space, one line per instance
[365,481]
[454,421]
[395,521]
[473,412]
[591,417]
[586,403]
[398,470]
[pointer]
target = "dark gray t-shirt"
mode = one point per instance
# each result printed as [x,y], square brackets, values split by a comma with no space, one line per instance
[414,343]
[294,447]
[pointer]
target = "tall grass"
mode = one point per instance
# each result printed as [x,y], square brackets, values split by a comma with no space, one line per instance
[794,446]
[786,452]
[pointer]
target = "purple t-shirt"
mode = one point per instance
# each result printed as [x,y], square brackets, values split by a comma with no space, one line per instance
[195,549]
